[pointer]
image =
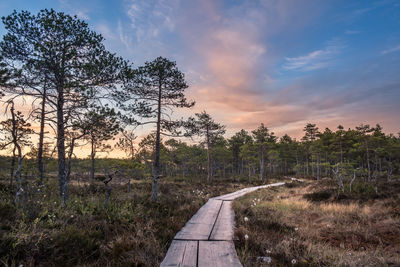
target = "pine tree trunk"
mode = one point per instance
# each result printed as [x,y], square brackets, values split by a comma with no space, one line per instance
[307,164]
[368,164]
[17,173]
[249,172]
[326,161]
[92,158]
[61,145]
[262,164]
[318,167]
[12,166]
[156,173]
[41,137]
[271,168]
[341,151]
[209,173]
[286,168]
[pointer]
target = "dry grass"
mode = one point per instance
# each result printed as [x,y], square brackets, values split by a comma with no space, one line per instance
[131,231]
[284,226]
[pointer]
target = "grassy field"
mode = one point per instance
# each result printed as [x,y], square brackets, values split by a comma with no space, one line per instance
[307,223]
[311,223]
[130,231]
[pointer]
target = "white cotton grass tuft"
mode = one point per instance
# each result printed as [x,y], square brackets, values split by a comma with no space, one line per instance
[294,261]
[246,236]
[246,219]
[267,260]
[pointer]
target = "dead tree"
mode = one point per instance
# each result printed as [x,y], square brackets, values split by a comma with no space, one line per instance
[14,133]
[352,180]
[339,177]
[106,181]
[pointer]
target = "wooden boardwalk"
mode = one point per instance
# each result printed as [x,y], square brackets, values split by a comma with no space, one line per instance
[207,238]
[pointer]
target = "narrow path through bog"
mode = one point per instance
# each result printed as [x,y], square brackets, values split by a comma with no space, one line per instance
[207,238]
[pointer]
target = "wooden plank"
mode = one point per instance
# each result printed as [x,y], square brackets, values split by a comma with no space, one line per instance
[214,221]
[272,185]
[200,225]
[236,194]
[223,228]
[217,254]
[242,192]
[181,253]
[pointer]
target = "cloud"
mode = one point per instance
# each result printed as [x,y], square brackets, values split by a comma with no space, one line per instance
[124,38]
[317,59]
[82,15]
[106,31]
[76,8]
[149,18]
[227,50]
[272,116]
[391,50]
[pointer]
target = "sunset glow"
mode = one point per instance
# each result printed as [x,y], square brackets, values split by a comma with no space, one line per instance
[283,63]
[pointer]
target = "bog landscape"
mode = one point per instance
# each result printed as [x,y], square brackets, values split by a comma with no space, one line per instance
[200,133]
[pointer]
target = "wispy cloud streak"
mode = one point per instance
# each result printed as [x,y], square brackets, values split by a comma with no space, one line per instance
[314,60]
[391,50]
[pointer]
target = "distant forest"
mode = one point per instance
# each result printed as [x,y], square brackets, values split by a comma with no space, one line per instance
[81,93]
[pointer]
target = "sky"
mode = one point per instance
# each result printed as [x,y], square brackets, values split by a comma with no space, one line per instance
[283,63]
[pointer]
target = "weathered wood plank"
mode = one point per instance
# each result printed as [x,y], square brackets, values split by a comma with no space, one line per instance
[223,228]
[200,225]
[218,254]
[181,253]
[244,191]
[196,242]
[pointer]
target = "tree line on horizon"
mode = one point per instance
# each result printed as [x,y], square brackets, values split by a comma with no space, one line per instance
[86,94]
[365,153]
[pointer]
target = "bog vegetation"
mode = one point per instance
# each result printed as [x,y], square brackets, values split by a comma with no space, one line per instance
[314,224]
[69,210]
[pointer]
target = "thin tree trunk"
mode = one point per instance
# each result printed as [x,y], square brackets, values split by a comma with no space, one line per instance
[352,181]
[286,168]
[341,150]
[249,172]
[326,167]
[12,166]
[318,166]
[262,163]
[17,173]
[108,191]
[312,167]
[92,158]
[368,164]
[41,136]
[156,173]
[209,173]
[307,164]
[271,168]
[61,144]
